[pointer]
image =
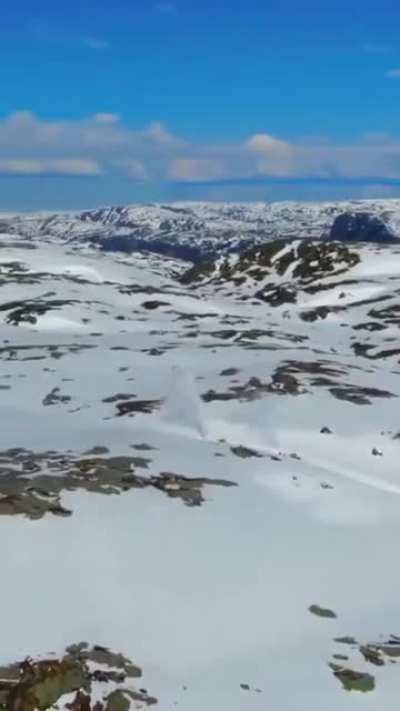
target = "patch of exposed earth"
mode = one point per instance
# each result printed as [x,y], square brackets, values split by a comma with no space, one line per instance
[300,377]
[32,484]
[84,679]
[367,654]
[376,654]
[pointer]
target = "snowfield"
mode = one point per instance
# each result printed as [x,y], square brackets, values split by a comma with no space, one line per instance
[199,473]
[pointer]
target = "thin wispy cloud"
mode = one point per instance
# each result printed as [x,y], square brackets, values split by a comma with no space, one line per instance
[393,73]
[106,118]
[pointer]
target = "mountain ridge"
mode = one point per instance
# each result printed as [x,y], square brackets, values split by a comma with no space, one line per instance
[194,231]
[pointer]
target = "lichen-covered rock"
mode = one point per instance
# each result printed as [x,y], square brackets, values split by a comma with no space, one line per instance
[353,680]
[90,673]
[32,484]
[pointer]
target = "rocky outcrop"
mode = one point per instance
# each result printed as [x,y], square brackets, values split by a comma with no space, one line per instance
[361,227]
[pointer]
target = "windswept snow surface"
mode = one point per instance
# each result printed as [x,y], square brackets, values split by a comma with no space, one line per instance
[187,466]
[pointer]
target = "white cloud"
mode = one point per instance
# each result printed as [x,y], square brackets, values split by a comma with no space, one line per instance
[158,133]
[273,156]
[265,143]
[106,118]
[72,166]
[197,170]
[132,169]
[102,144]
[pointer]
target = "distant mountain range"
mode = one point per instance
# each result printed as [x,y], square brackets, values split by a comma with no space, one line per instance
[198,231]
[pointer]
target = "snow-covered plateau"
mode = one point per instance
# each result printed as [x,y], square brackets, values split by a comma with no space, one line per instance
[199,463]
[196,230]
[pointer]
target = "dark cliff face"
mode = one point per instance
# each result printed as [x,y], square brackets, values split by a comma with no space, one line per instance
[204,250]
[360,227]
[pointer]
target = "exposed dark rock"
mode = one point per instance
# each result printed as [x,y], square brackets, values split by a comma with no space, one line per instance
[360,227]
[229,371]
[373,655]
[245,452]
[133,407]
[54,397]
[153,305]
[189,490]
[308,261]
[346,640]
[33,685]
[353,680]
[118,396]
[32,484]
[27,311]
[322,612]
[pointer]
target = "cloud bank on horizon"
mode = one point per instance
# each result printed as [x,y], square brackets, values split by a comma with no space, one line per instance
[101,144]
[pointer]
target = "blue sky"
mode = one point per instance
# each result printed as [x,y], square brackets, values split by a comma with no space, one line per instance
[112,102]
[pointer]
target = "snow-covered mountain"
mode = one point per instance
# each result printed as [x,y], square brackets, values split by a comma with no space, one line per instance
[199,481]
[194,231]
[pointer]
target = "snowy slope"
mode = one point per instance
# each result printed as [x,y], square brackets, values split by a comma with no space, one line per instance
[199,478]
[194,230]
